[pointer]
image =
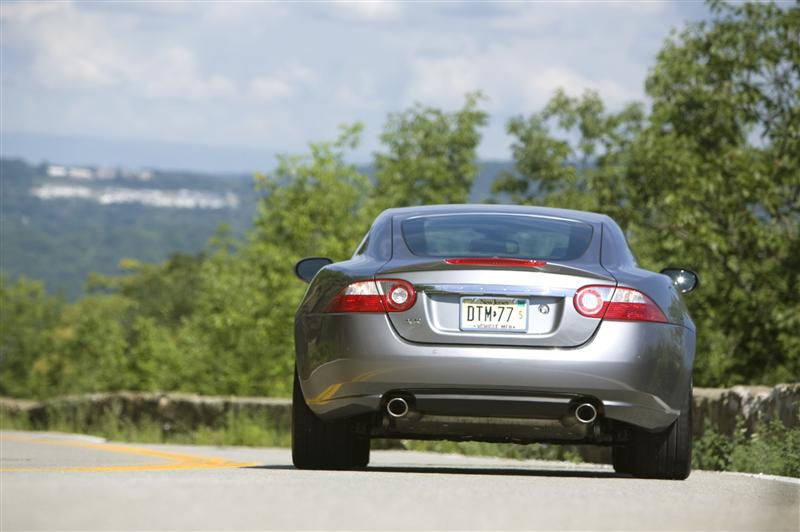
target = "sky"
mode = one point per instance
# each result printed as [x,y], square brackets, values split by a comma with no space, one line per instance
[227,86]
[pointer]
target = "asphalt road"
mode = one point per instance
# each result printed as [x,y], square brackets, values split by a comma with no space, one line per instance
[57,482]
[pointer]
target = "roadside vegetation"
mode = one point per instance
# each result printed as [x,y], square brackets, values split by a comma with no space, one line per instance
[770,449]
[705,175]
[235,429]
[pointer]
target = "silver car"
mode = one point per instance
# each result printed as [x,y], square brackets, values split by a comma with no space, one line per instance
[494,323]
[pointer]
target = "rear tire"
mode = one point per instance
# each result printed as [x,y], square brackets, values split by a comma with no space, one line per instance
[318,444]
[621,458]
[666,454]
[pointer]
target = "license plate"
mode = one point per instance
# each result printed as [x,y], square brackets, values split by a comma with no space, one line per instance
[494,314]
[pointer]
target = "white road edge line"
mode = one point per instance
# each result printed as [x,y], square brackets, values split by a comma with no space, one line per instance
[762,476]
[61,436]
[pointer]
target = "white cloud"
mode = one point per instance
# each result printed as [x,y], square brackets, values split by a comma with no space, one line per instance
[283,84]
[93,50]
[175,74]
[19,12]
[442,80]
[515,79]
[590,17]
[541,85]
[264,88]
[70,50]
[360,91]
[368,10]
[528,50]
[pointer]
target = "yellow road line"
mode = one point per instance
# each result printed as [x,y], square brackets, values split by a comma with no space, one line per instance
[178,461]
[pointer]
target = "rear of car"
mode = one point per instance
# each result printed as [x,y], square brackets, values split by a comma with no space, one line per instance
[510,324]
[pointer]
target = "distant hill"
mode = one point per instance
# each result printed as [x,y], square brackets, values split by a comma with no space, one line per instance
[59,228]
[59,223]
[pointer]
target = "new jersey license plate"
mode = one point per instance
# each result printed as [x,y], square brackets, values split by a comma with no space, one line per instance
[502,314]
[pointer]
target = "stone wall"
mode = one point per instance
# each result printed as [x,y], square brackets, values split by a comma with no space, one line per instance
[176,412]
[720,407]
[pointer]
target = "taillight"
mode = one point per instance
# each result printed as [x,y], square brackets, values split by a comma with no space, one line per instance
[399,295]
[496,261]
[592,301]
[362,296]
[631,305]
[615,303]
[380,295]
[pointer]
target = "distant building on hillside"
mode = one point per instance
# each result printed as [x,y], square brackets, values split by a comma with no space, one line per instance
[76,172]
[151,197]
[56,171]
[106,172]
[140,175]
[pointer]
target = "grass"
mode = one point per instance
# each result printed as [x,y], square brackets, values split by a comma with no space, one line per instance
[236,429]
[772,449]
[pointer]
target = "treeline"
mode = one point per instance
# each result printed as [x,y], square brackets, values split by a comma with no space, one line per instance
[707,175]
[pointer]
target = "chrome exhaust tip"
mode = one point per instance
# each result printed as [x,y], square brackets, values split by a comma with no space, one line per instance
[397,407]
[586,413]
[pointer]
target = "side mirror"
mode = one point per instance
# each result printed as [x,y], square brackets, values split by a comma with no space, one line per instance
[684,280]
[307,268]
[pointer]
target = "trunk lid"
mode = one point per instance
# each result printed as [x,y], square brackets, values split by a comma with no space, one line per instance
[447,294]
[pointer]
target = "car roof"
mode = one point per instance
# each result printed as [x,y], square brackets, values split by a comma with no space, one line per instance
[584,216]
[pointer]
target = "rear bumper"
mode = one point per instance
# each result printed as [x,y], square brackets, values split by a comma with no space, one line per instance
[639,372]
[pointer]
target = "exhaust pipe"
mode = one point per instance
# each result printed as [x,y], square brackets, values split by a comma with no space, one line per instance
[397,407]
[586,413]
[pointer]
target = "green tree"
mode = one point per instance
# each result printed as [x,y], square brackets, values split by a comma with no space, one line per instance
[28,322]
[157,361]
[709,178]
[584,167]
[240,337]
[429,156]
[91,352]
[314,203]
[720,184]
[165,292]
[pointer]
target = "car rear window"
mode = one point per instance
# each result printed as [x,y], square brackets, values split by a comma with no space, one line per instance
[496,235]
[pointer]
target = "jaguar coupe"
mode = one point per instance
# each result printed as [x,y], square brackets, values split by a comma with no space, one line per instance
[499,324]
